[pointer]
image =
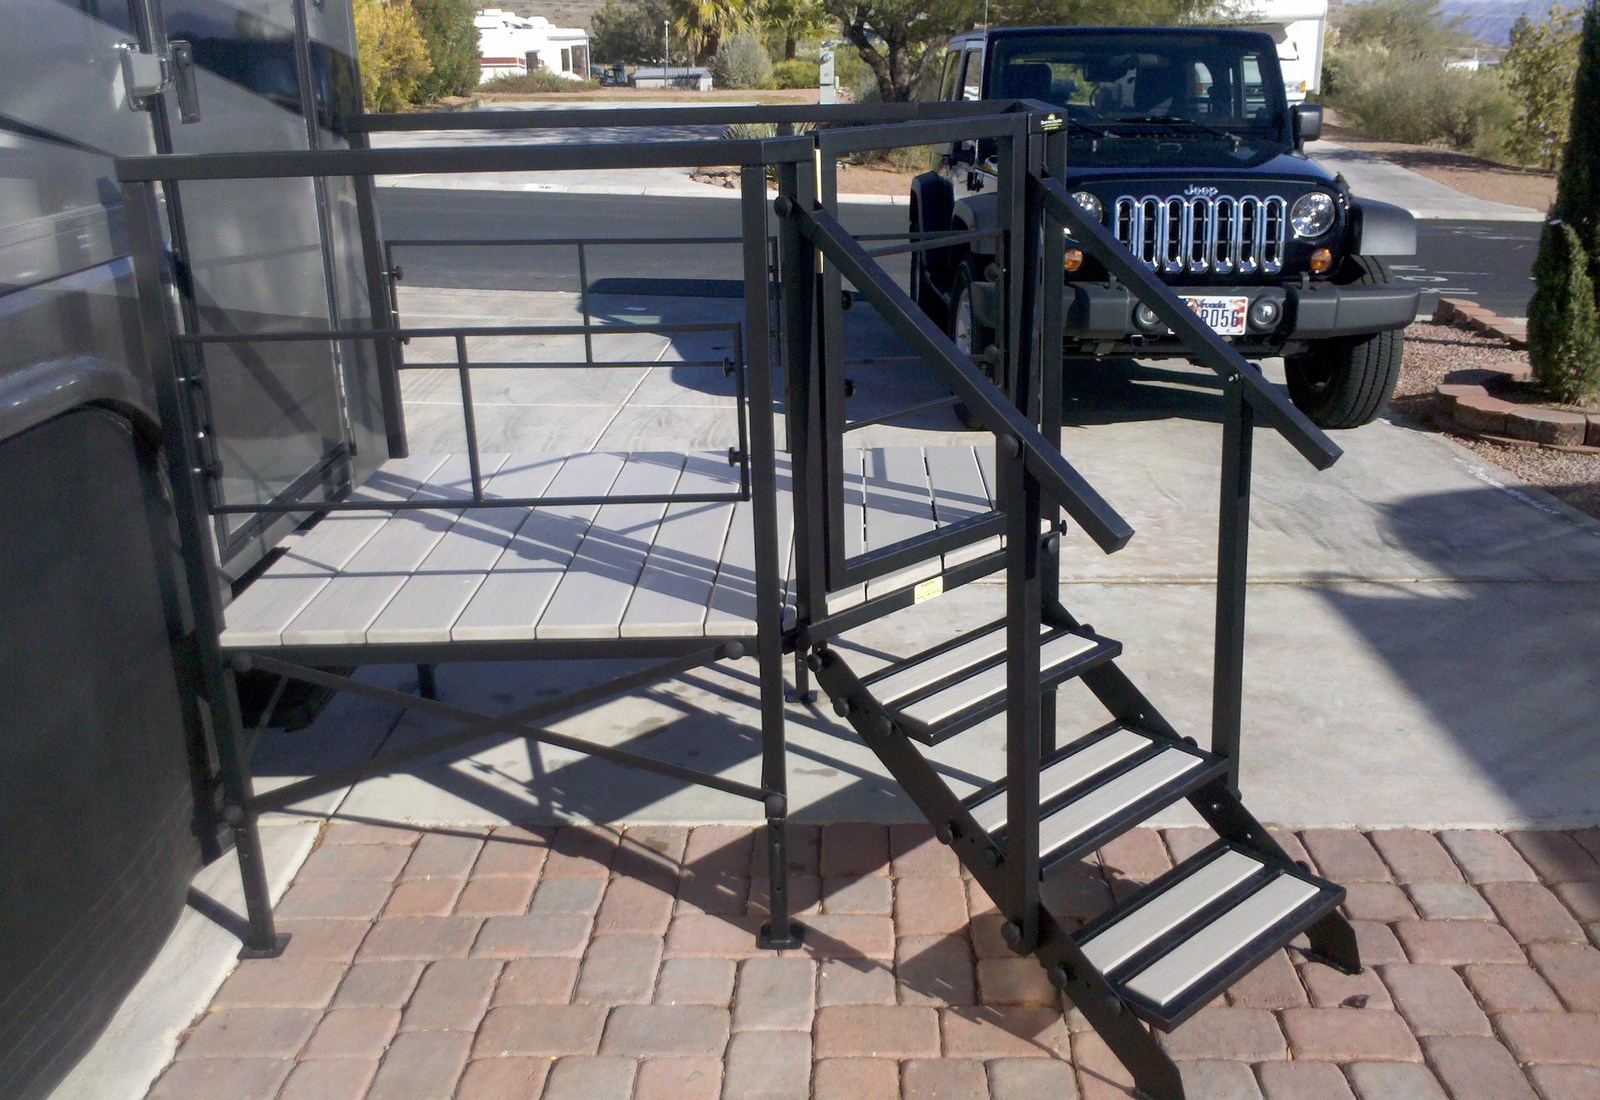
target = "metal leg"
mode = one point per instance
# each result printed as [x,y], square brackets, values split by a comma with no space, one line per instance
[803,691]
[427,682]
[779,931]
[263,940]
[1333,941]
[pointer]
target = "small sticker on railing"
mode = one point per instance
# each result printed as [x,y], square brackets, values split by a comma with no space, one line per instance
[927,590]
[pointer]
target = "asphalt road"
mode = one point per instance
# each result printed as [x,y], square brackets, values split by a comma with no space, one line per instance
[1488,262]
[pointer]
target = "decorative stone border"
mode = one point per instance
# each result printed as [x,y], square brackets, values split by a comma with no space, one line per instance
[1474,409]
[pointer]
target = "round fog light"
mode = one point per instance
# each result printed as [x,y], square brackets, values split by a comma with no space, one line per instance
[1145,317]
[1263,313]
[1072,259]
[1321,260]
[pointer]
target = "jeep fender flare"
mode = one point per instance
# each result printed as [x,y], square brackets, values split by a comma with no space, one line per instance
[980,211]
[1382,229]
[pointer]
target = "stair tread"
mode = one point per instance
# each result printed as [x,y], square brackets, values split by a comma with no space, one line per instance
[1182,939]
[1077,765]
[905,680]
[990,682]
[1120,775]
[1078,817]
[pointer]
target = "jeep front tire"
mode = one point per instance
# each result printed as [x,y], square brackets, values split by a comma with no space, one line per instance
[1348,381]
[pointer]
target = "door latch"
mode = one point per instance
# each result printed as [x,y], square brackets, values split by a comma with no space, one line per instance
[146,75]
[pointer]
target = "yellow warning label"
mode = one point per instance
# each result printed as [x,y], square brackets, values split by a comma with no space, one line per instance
[928,589]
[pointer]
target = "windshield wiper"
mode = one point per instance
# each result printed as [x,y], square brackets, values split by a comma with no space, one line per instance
[1177,120]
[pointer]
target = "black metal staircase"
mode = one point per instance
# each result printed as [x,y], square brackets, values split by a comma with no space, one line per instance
[1158,956]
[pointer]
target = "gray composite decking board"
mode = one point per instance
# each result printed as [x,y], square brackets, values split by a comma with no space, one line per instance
[991,682]
[600,580]
[899,506]
[674,589]
[1202,953]
[732,610]
[429,603]
[1116,944]
[960,493]
[509,602]
[341,613]
[260,613]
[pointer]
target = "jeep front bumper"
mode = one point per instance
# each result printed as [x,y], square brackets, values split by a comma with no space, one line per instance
[1101,313]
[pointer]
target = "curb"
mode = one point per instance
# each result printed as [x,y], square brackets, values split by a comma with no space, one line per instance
[1475,410]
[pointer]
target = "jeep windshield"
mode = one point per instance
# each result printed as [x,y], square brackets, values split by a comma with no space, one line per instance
[1163,85]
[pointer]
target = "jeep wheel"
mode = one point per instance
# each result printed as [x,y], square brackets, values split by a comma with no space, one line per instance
[1347,382]
[969,334]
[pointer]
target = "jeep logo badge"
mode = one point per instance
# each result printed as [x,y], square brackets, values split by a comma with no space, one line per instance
[1195,190]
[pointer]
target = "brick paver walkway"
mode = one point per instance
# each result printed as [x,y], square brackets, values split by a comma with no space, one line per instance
[598,963]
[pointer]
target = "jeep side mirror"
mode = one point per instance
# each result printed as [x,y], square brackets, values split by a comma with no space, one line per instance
[965,152]
[1307,120]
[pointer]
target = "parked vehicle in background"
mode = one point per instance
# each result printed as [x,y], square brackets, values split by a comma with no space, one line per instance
[1182,143]
[1300,28]
[515,45]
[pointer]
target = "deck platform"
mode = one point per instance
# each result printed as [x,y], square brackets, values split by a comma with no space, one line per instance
[579,572]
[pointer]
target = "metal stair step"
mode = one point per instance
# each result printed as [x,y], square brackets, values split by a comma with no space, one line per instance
[949,689]
[1100,786]
[1189,935]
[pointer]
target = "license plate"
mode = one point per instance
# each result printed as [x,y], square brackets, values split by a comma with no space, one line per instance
[1226,316]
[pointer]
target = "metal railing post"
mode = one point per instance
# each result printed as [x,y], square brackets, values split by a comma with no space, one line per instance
[1048,155]
[1233,549]
[779,931]
[185,471]
[583,297]
[798,282]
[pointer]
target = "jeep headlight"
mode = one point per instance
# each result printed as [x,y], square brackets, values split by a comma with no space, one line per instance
[1091,204]
[1312,214]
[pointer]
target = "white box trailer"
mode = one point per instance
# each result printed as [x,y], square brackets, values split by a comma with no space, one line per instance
[1300,28]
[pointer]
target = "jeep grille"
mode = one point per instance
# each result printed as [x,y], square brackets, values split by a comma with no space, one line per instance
[1198,236]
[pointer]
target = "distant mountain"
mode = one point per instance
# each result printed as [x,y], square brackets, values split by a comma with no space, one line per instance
[1490,20]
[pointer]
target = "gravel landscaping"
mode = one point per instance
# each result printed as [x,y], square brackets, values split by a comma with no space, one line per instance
[1433,353]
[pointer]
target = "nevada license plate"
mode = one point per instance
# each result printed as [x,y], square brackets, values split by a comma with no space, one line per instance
[1226,316]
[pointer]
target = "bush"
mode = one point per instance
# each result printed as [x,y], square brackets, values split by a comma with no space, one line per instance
[1539,70]
[1563,323]
[538,83]
[452,43]
[391,52]
[1416,99]
[741,62]
[798,73]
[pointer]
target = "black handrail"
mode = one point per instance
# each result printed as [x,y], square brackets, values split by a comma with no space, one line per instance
[622,117]
[1207,348]
[581,156]
[1055,474]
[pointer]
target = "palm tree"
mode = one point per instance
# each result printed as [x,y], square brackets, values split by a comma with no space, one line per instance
[701,25]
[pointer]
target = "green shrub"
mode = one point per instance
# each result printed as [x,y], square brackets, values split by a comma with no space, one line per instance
[798,73]
[1539,69]
[452,42]
[1411,98]
[391,53]
[538,83]
[1563,323]
[741,62]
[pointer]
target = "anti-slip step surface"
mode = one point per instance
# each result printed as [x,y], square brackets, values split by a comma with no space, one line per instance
[1100,786]
[953,687]
[1184,938]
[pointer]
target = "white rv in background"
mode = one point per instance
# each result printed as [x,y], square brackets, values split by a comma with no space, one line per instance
[1299,27]
[511,45]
